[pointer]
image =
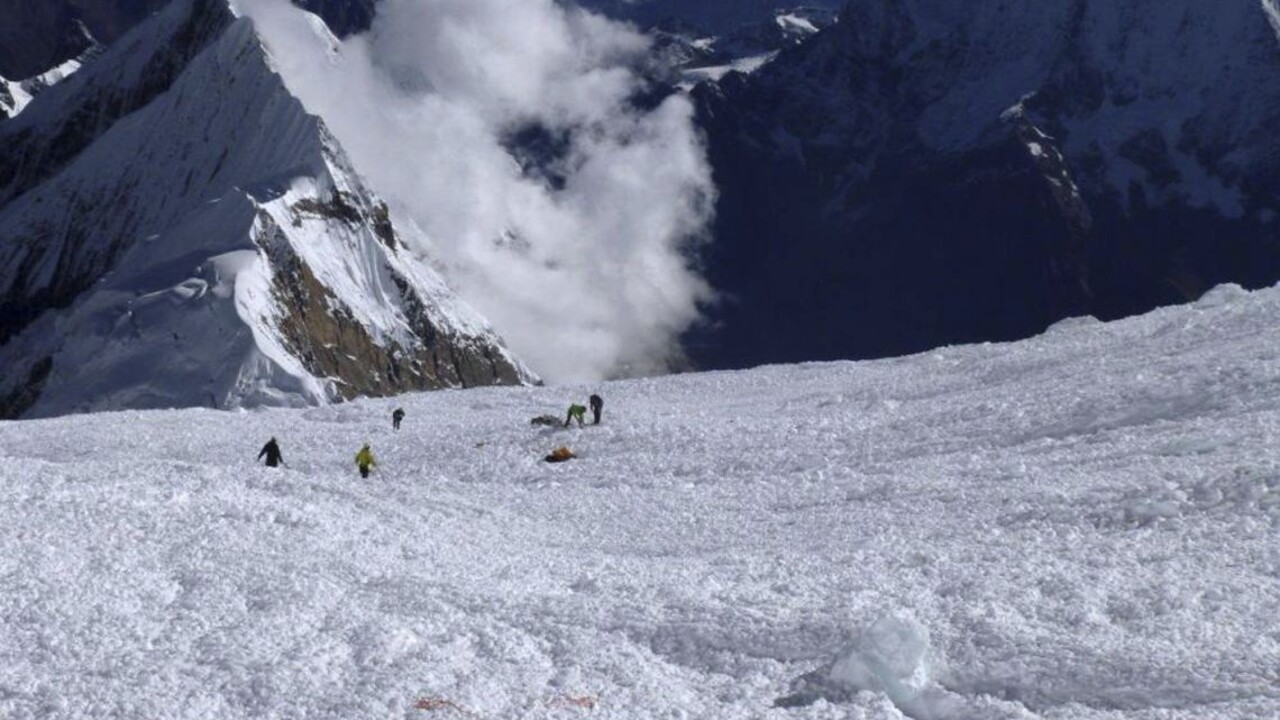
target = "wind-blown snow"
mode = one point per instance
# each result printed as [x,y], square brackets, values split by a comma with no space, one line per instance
[1079,526]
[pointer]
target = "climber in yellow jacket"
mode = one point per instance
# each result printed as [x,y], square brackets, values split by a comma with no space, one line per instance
[365,461]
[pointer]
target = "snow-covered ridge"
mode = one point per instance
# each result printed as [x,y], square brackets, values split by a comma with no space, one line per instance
[1081,526]
[700,56]
[15,96]
[211,246]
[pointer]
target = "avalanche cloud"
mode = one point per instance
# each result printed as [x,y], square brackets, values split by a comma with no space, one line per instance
[563,199]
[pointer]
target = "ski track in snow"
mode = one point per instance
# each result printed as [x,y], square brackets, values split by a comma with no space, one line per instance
[1083,525]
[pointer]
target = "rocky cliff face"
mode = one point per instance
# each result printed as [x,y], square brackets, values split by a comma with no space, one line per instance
[937,171]
[176,230]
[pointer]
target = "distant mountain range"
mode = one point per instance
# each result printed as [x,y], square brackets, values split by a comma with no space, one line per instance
[931,172]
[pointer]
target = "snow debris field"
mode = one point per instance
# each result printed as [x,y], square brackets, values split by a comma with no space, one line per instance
[1079,526]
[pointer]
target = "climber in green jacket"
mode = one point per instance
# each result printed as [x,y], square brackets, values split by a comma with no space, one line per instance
[365,461]
[577,412]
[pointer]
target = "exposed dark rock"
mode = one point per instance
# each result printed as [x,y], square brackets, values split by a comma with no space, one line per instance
[339,207]
[26,393]
[323,333]
[1149,150]
[382,226]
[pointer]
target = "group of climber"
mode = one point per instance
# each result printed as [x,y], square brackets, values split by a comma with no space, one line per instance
[272,457]
[365,461]
[577,412]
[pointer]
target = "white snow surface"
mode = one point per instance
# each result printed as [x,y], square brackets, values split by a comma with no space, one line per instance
[796,23]
[1078,526]
[715,73]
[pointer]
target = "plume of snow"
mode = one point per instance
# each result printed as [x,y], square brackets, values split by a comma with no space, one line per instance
[582,264]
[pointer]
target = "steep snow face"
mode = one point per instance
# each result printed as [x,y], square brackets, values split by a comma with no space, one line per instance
[13,98]
[942,171]
[1081,526]
[212,247]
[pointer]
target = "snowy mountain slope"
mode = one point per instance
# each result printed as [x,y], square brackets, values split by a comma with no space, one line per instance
[1081,526]
[179,231]
[934,171]
[13,98]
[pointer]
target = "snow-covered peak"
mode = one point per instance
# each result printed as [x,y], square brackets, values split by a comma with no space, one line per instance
[204,240]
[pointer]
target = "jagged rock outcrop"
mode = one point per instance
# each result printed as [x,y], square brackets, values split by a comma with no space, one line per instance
[935,171]
[176,230]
